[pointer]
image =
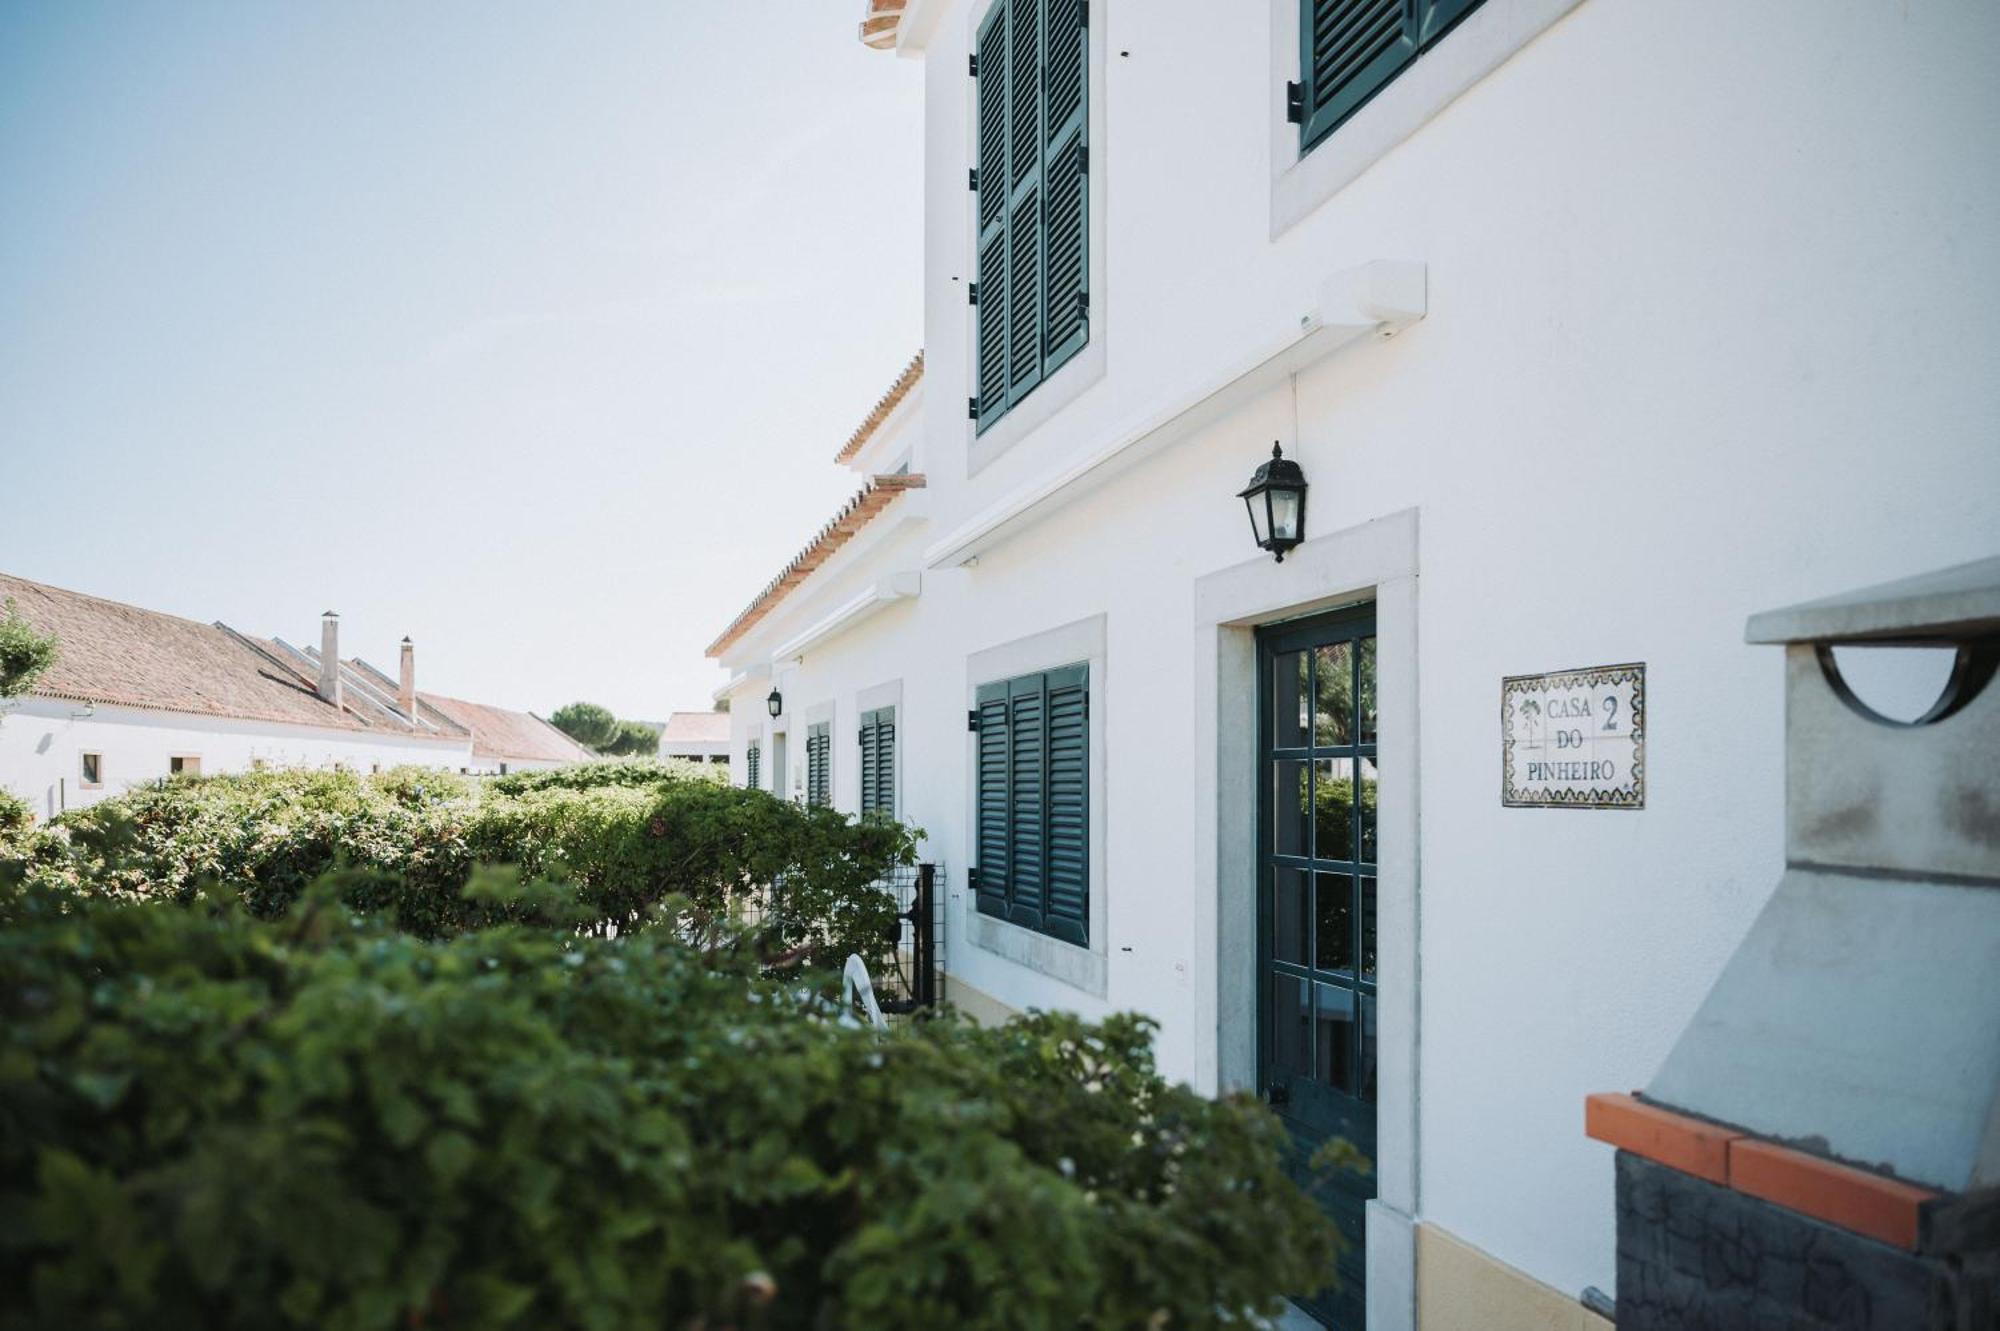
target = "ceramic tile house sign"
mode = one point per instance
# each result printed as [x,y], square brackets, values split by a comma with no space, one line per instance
[1574,739]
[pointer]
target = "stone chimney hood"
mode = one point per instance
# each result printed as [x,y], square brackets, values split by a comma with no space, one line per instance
[329,659]
[1860,1019]
[406,681]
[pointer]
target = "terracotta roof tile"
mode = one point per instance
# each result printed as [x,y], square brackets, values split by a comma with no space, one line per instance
[912,374]
[875,496]
[121,655]
[498,732]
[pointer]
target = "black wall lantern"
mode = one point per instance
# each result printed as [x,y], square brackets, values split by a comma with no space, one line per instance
[775,704]
[1277,503]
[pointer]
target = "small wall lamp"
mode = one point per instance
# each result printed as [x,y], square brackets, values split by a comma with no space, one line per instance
[1276,499]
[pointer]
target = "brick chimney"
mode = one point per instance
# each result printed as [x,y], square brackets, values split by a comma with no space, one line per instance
[406,688]
[329,658]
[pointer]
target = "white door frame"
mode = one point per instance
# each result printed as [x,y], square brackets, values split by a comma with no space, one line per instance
[1377,562]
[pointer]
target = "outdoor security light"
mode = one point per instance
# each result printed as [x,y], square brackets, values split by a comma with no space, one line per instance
[775,703]
[1277,503]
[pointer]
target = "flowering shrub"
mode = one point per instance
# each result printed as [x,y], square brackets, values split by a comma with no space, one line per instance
[323,1120]
[647,835]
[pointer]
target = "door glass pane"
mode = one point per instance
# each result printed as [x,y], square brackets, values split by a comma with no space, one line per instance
[1333,707]
[1291,924]
[1291,807]
[1366,669]
[1334,1037]
[1291,1027]
[1335,923]
[1370,788]
[1368,927]
[1333,805]
[1368,1044]
[1291,699]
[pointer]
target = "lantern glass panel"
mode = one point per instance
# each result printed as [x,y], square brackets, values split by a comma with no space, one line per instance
[1260,518]
[1285,515]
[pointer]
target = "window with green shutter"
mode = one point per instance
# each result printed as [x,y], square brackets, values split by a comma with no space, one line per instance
[1032,284]
[878,761]
[1032,776]
[753,764]
[819,763]
[1349,50]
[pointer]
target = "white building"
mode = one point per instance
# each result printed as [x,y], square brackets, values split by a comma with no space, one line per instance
[1595,326]
[136,695]
[699,737]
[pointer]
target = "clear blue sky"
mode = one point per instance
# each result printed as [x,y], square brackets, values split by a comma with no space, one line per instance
[528,330]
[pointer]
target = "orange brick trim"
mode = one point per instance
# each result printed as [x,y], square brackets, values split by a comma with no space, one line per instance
[1884,1209]
[1674,1140]
[889,401]
[875,496]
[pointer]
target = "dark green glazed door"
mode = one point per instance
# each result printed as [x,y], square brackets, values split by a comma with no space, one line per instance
[1317,782]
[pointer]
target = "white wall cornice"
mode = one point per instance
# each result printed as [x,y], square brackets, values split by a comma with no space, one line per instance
[1376,299]
[889,590]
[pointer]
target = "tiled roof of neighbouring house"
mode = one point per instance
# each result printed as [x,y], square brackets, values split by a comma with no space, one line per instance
[696,728]
[121,655]
[875,496]
[498,732]
[879,20]
[912,374]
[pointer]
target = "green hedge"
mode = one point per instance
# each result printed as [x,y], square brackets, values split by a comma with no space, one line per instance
[590,776]
[210,1120]
[650,833]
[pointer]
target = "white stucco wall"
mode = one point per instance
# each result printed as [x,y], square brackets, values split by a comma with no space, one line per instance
[42,742]
[1711,326]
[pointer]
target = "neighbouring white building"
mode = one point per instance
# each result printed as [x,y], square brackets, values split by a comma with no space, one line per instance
[701,737]
[136,695]
[1595,326]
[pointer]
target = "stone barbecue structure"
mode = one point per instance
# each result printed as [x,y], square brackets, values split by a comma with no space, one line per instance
[1821,1148]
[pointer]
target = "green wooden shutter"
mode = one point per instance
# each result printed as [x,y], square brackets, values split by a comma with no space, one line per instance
[1066,184]
[878,761]
[885,761]
[819,763]
[752,768]
[1027,799]
[992,844]
[1349,50]
[991,313]
[1067,909]
[1033,61]
[1435,17]
[1025,313]
[869,743]
[1033,796]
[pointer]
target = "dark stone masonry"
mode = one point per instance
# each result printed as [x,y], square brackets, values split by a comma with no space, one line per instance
[1693,1256]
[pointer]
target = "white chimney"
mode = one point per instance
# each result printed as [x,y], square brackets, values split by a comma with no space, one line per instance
[329,658]
[406,689]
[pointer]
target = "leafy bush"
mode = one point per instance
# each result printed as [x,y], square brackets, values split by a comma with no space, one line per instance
[208,1120]
[17,819]
[25,654]
[625,848]
[591,776]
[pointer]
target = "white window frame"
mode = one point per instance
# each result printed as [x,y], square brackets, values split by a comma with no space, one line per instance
[1085,968]
[1480,44]
[1076,376]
